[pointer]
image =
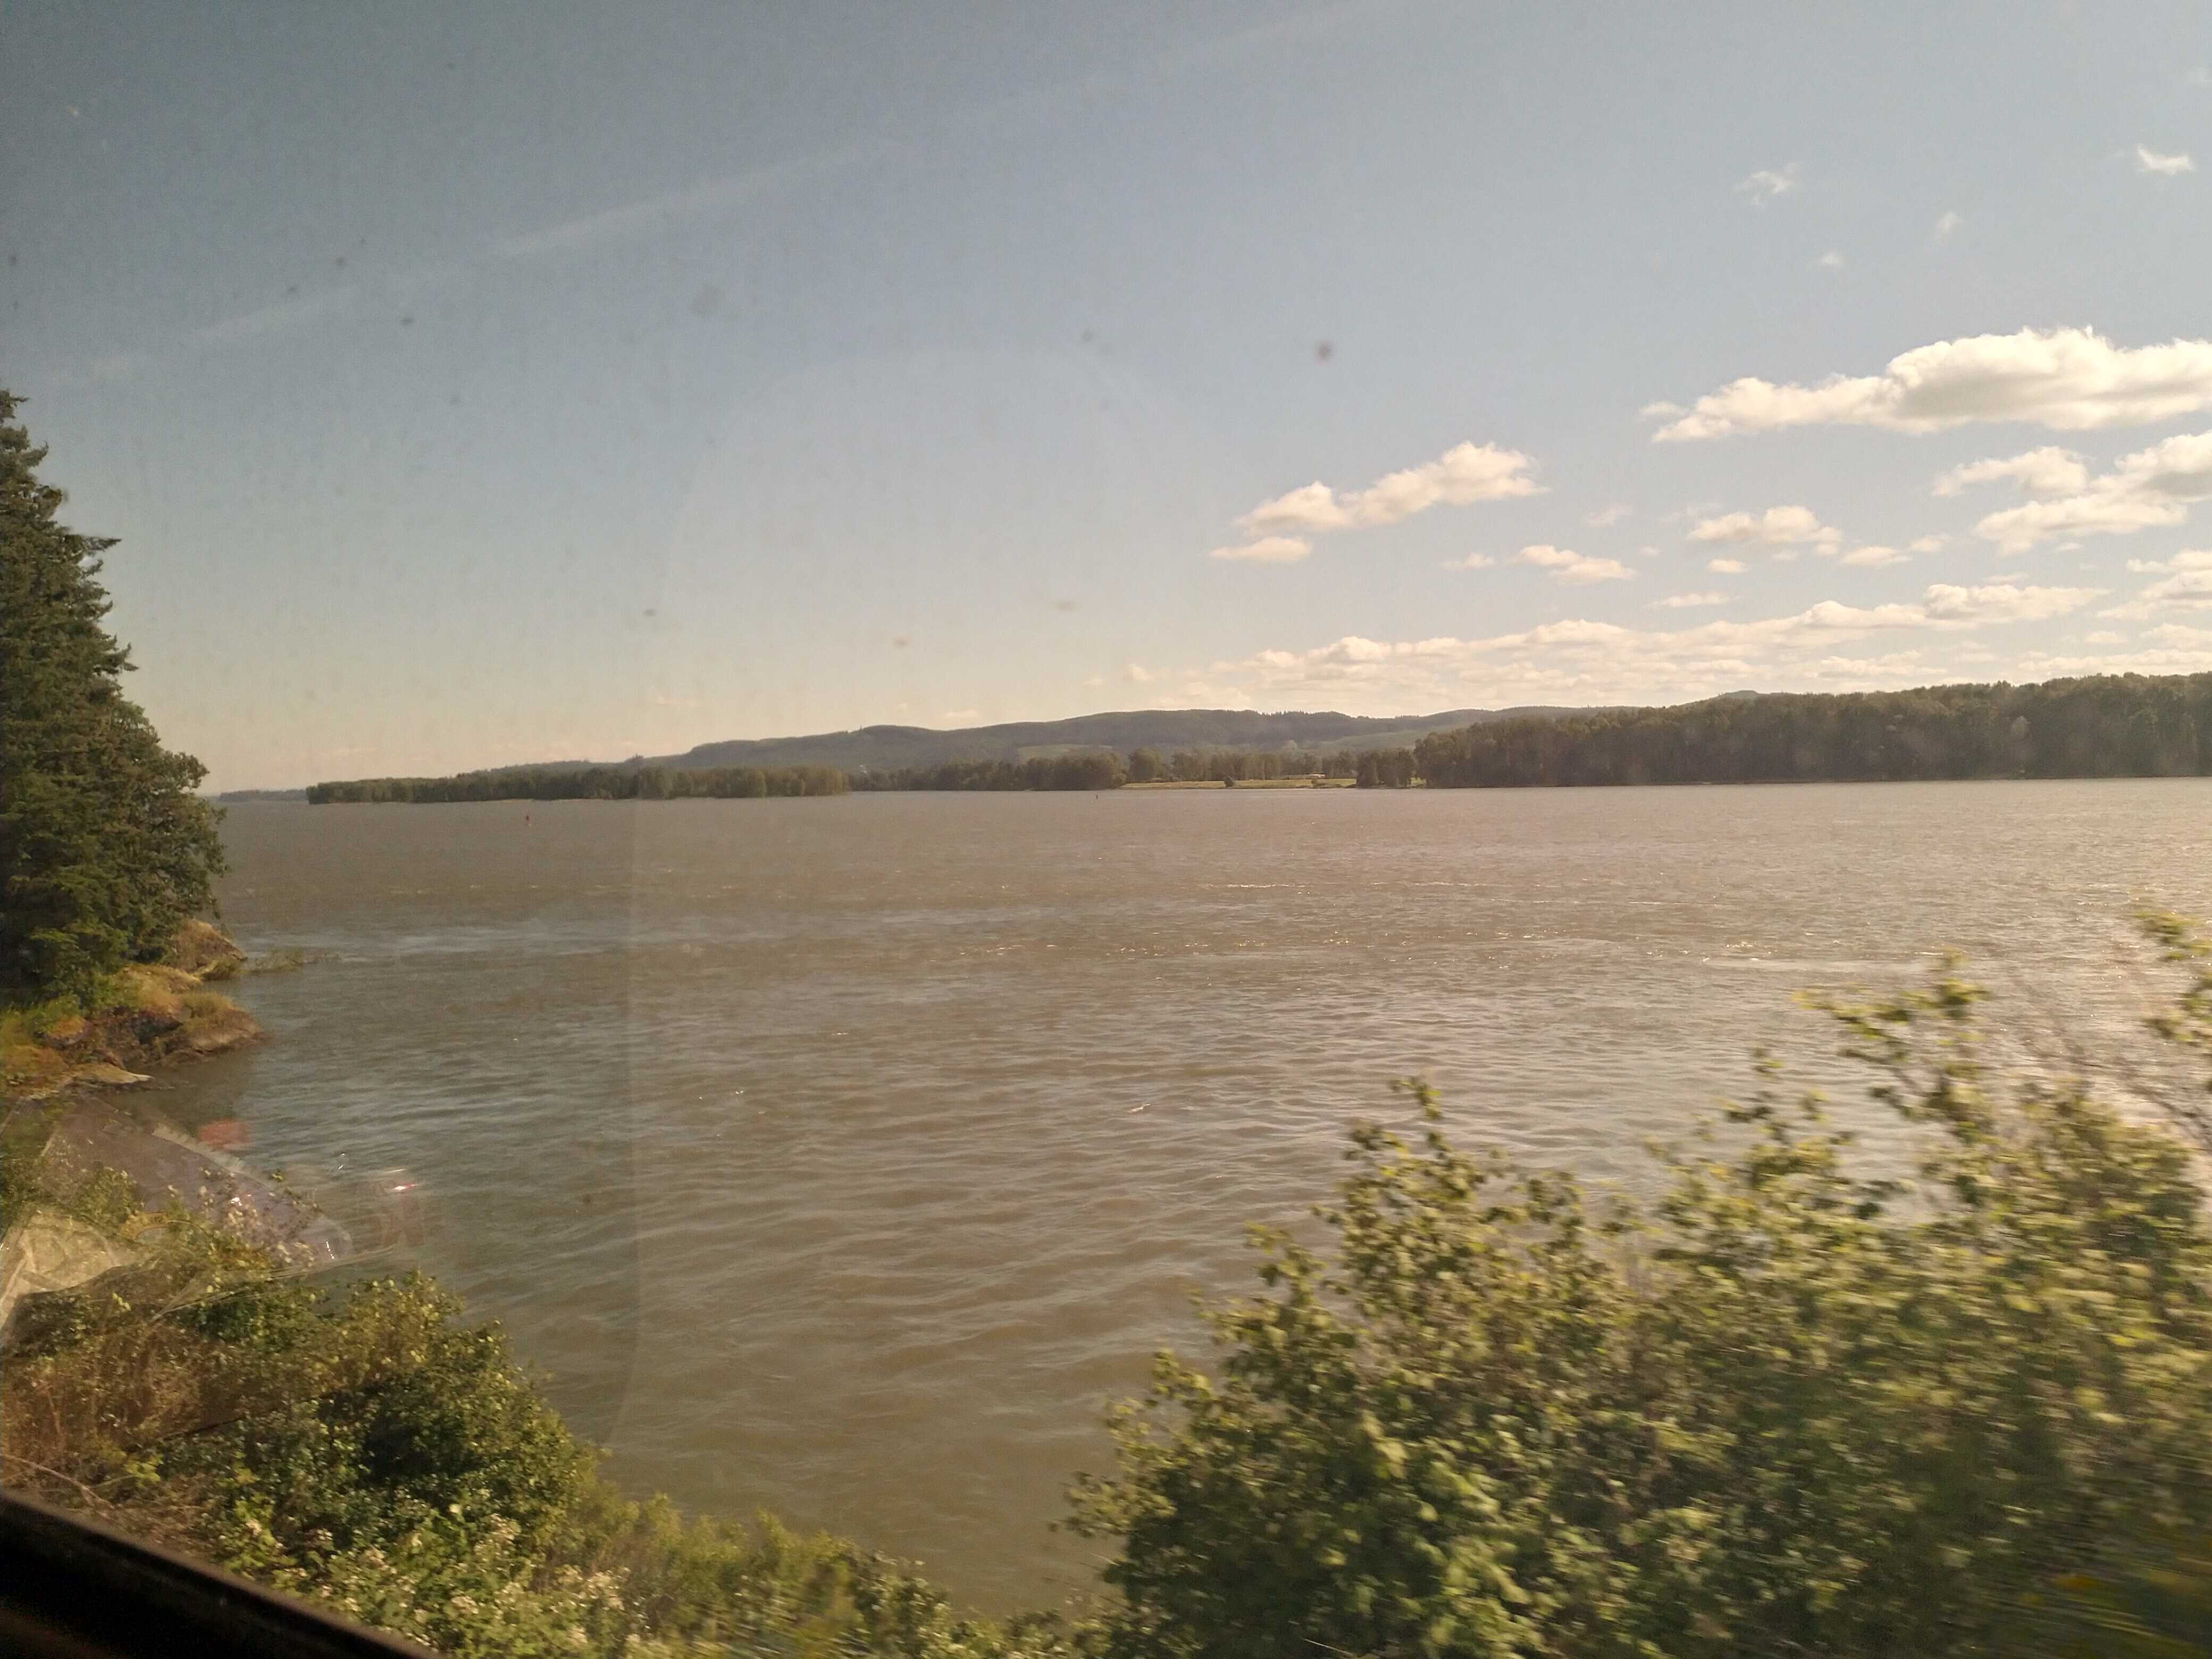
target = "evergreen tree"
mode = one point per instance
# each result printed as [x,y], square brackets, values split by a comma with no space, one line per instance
[104,847]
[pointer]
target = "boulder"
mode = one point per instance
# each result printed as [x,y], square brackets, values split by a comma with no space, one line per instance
[205,951]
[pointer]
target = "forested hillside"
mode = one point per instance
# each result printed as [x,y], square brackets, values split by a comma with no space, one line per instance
[2130,726]
[877,748]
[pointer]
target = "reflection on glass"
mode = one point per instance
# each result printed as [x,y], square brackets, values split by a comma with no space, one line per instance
[790,706]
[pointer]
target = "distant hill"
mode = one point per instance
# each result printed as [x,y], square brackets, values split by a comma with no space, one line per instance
[236,796]
[874,748]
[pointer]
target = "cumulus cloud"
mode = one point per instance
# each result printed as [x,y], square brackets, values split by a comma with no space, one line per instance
[1606,516]
[1463,474]
[1874,554]
[2000,602]
[1947,225]
[2184,584]
[2047,471]
[2071,379]
[2150,489]
[1582,660]
[1725,566]
[1831,260]
[1926,544]
[1137,674]
[1268,550]
[1472,562]
[1768,185]
[2172,649]
[1690,601]
[1567,566]
[2150,160]
[1778,526]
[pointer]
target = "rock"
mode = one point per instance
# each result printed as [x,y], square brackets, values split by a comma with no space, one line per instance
[47,1252]
[220,1031]
[205,951]
[103,1076]
[67,1033]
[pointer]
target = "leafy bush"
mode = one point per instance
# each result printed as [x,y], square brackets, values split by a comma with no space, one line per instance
[372,1450]
[1800,1406]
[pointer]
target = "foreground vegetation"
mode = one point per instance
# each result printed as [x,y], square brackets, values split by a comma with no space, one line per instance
[1804,1403]
[2105,727]
[1808,1401]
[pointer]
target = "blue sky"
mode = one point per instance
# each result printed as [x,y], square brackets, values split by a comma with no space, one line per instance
[480,384]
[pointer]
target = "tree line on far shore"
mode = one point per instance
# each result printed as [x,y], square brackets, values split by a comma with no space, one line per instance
[1084,769]
[592,783]
[2112,725]
[2105,727]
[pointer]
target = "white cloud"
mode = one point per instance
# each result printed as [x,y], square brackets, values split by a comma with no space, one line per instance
[2047,471]
[1137,674]
[961,716]
[1566,565]
[1268,550]
[1463,474]
[1606,516]
[2174,656]
[2017,529]
[1926,544]
[1831,260]
[2071,379]
[1725,566]
[1689,601]
[1766,185]
[2148,490]
[1778,526]
[2185,585]
[1579,661]
[1472,562]
[1874,554]
[2001,602]
[2104,636]
[2150,160]
[1948,225]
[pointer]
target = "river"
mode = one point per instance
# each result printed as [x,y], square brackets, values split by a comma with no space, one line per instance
[843,1157]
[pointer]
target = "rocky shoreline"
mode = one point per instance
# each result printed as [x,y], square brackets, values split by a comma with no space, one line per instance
[61,1135]
[154,1015]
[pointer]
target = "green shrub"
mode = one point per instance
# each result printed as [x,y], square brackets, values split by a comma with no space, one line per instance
[1800,1406]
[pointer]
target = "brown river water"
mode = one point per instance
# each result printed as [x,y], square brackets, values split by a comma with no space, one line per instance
[843,1157]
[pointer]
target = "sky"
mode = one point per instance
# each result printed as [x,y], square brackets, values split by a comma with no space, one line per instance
[484,384]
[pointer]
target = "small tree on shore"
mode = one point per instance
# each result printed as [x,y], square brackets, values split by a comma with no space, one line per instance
[104,847]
